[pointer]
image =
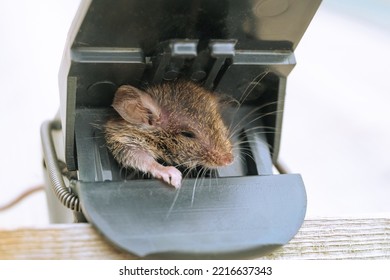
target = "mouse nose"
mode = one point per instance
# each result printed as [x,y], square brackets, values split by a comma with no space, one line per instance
[226,159]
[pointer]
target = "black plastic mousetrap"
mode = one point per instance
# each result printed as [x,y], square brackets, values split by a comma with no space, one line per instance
[243,49]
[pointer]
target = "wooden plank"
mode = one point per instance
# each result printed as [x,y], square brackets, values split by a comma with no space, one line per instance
[67,241]
[325,238]
[339,239]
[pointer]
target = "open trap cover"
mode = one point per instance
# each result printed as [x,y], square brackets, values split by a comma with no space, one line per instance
[243,49]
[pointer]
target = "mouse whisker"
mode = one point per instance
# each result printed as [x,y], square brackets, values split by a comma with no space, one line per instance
[186,173]
[216,178]
[249,114]
[172,204]
[248,156]
[253,84]
[243,142]
[264,115]
[206,170]
[260,127]
[254,110]
[200,175]
[194,189]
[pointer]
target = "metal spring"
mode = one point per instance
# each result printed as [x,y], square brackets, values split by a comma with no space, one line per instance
[63,193]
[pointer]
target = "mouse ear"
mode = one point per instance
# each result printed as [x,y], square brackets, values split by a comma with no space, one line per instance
[136,106]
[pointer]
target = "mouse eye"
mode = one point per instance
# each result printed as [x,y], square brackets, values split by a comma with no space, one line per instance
[188,134]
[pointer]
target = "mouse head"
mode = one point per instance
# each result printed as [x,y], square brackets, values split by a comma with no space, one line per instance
[182,119]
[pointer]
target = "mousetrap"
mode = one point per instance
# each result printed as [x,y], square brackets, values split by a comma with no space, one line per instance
[243,49]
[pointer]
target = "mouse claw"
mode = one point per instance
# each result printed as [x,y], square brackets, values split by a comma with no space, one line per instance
[169,174]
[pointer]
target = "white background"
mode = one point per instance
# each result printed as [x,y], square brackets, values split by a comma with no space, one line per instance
[336,129]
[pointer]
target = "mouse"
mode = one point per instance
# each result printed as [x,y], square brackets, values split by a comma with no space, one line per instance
[163,127]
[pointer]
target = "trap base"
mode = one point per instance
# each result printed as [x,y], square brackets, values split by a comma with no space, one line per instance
[223,218]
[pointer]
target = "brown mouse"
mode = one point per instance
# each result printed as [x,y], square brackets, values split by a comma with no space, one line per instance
[178,123]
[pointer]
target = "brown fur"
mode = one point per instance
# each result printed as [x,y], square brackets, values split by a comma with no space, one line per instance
[181,125]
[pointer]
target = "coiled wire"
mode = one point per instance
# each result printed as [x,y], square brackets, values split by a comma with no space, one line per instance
[63,193]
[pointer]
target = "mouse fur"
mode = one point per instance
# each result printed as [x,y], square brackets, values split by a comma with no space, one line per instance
[178,123]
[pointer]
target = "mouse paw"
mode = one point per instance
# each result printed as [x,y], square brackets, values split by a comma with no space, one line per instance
[168,174]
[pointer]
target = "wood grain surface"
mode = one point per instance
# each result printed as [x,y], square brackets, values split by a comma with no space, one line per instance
[322,238]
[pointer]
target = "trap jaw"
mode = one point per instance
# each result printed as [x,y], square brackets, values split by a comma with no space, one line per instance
[243,49]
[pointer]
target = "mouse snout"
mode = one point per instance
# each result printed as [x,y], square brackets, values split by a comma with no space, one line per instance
[218,159]
[222,159]
[226,159]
